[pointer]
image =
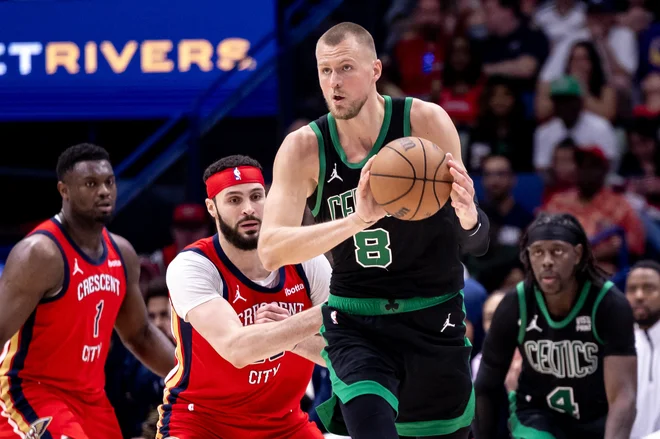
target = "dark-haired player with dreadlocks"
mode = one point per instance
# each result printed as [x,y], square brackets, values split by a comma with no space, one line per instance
[574,330]
[245,335]
[64,288]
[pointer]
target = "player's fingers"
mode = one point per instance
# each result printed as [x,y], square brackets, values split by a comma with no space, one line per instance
[459,173]
[461,193]
[272,316]
[367,166]
[452,163]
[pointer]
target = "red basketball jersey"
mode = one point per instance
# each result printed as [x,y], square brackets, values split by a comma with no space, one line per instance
[272,387]
[65,341]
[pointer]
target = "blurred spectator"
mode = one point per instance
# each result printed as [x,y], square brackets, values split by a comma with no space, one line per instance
[474,297]
[418,57]
[461,82]
[572,120]
[641,163]
[637,18]
[190,222]
[643,293]
[584,65]
[489,307]
[599,208]
[158,306]
[649,45]
[499,267]
[650,88]
[502,128]
[133,390]
[507,217]
[560,18]
[562,175]
[616,44]
[512,49]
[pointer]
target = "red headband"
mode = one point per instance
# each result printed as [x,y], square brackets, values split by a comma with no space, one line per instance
[232,177]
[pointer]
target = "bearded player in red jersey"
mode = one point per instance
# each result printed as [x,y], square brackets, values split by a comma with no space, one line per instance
[242,369]
[64,288]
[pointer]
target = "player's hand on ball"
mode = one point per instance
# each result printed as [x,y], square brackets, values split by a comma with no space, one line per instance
[271,313]
[366,207]
[462,195]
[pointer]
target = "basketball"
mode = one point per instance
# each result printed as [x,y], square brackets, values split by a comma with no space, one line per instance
[410,178]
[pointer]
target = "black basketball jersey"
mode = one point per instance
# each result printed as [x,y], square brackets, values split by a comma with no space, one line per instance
[562,365]
[392,258]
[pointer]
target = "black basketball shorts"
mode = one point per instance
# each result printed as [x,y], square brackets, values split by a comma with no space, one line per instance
[411,352]
[527,422]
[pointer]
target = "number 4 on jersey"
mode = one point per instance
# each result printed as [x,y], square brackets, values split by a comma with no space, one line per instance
[372,248]
[562,400]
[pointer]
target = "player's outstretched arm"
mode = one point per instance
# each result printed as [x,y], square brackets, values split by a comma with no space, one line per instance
[282,239]
[137,333]
[615,325]
[497,353]
[430,121]
[242,345]
[34,268]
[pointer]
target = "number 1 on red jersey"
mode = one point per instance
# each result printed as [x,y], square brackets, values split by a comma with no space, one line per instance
[97,319]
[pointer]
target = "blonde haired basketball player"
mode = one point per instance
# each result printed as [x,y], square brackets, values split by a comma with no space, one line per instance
[397,353]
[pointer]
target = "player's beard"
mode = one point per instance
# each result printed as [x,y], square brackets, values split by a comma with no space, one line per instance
[347,113]
[234,236]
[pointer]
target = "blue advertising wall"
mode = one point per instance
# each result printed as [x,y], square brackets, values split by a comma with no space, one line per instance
[90,59]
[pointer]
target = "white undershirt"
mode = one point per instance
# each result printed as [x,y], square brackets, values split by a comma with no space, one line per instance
[192,279]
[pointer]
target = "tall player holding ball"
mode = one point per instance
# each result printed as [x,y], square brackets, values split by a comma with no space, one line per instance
[396,347]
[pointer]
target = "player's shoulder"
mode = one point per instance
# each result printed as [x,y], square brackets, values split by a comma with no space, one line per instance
[300,152]
[38,248]
[425,116]
[610,298]
[511,298]
[300,144]
[124,247]
[190,263]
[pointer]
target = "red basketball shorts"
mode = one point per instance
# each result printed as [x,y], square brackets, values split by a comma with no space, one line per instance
[40,411]
[178,422]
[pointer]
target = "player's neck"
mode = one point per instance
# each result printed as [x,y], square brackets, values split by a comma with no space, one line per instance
[561,304]
[87,235]
[361,132]
[247,261]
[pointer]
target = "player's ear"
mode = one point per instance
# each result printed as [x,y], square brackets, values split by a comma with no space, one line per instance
[63,190]
[210,207]
[378,69]
[579,250]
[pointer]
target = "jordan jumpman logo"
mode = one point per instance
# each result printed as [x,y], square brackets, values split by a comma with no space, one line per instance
[238,295]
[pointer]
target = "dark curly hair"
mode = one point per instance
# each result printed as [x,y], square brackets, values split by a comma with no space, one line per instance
[79,153]
[231,161]
[586,269]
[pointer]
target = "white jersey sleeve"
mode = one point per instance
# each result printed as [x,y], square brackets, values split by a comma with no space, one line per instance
[318,273]
[192,280]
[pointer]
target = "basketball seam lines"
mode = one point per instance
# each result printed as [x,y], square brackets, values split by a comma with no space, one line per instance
[435,174]
[421,196]
[411,178]
[406,159]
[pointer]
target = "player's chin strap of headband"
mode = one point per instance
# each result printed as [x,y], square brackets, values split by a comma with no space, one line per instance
[553,232]
[232,177]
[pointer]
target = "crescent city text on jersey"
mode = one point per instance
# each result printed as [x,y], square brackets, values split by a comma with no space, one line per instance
[247,316]
[98,283]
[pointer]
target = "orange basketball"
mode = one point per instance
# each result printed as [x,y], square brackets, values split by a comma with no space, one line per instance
[410,178]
